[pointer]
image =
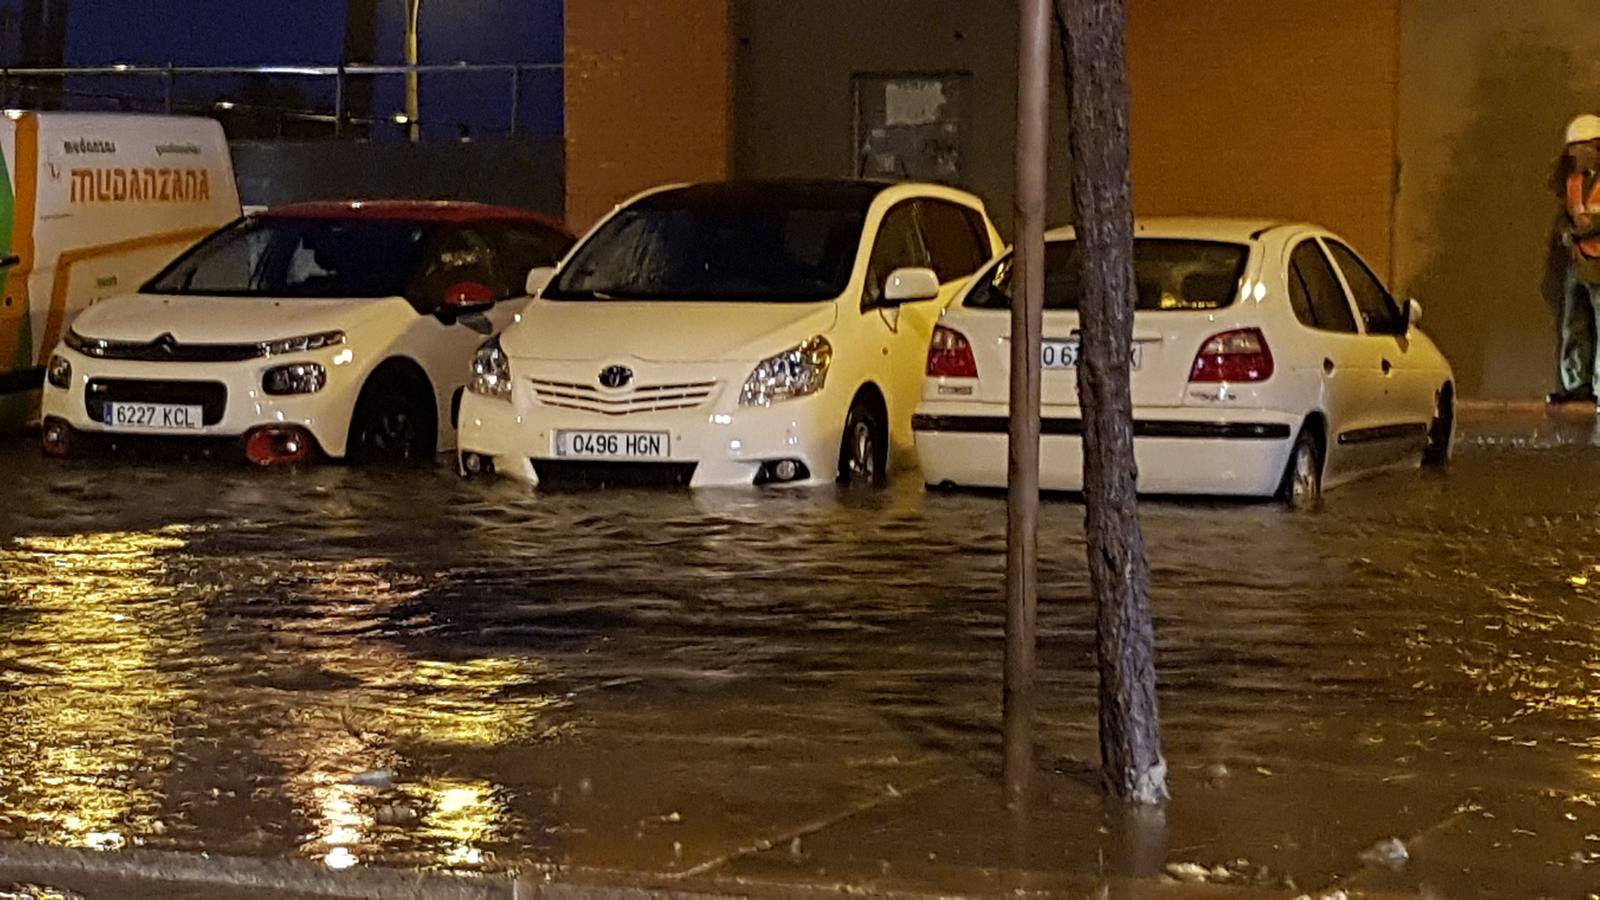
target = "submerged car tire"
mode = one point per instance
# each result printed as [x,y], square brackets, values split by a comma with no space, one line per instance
[1441,431]
[393,423]
[1302,477]
[864,449]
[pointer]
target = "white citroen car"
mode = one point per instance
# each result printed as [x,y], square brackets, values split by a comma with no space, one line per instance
[343,329]
[1268,360]
[728,334]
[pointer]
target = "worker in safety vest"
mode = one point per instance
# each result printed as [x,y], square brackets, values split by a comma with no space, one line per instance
[1580,301]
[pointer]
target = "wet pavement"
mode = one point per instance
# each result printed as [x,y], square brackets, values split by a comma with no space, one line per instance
[777,688]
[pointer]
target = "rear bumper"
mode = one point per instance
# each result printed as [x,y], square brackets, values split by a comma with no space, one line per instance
[1177,451]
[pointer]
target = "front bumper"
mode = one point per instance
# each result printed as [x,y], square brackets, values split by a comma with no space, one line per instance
[1176,450]
[713,443]
[234,403]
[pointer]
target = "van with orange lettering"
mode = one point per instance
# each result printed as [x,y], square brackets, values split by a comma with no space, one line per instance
[92,205]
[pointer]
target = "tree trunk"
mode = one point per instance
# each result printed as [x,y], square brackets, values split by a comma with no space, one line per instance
[1093,37]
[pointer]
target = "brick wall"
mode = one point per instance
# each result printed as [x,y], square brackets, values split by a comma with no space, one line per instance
[648,93]
[1276,108]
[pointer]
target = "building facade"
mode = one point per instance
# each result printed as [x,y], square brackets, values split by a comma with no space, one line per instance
[1422,130]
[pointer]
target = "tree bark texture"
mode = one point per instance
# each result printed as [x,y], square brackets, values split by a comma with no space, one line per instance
[1093,40]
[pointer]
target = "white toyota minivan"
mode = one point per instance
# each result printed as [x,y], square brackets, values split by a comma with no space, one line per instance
[737,333]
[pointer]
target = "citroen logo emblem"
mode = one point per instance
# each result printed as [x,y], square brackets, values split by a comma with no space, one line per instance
[615,376]
[165,342]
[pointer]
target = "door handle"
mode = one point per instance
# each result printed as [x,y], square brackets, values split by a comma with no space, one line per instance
[1327,364]
[1387,367]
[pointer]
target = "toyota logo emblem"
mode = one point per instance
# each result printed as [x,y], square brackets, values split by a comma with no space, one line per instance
[615,376]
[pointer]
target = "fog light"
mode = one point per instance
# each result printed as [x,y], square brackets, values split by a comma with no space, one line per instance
[276,446]
[59,372]
[299,378]
[55,437]
[476,464]
[782,471]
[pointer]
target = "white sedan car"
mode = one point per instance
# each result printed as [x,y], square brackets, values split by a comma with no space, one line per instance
[1268,360]
[339,328]
[728,334]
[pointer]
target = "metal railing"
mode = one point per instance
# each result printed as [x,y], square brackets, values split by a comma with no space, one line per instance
[64,88]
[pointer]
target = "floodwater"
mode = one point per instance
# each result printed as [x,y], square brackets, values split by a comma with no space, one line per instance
[778,687]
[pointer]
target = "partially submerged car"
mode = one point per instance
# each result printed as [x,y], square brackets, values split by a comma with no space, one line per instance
[341,329]
[1268,360]
[728,334]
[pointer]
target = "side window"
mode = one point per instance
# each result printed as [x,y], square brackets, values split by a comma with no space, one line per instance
[1315,293]
[898,246]
[1379,312]
[457,255]
[955,247]
[521,248]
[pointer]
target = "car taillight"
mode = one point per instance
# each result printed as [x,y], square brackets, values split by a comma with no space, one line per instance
[950,356]
[1233,356]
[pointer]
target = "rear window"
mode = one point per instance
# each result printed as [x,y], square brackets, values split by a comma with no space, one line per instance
[1170,274]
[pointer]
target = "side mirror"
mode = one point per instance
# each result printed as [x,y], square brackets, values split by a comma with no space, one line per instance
[1413,314]
[539,279]
[910,285]
[468,297]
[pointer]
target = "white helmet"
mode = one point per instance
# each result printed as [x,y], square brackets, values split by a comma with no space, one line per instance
[1583,129]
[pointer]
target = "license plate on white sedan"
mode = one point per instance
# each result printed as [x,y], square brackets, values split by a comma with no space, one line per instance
[613,444]
[153,416]
[1058,355]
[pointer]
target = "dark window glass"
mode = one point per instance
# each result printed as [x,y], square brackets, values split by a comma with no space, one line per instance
[1379,313]
[1170,274]
[721,242]
[458,255]
[287,258]
[955,247]
[522,247]
[898,246]
[1315,293]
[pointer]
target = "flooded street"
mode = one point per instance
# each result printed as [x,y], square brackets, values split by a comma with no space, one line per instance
[405,669]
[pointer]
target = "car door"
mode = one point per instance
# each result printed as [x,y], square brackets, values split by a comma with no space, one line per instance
[1407,401]
[901,332]
[442,343]
[1351,386]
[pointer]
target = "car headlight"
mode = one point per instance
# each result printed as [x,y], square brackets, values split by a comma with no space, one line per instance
[299,378]
[302,344]
[491,371]
[796,372]
[59,372]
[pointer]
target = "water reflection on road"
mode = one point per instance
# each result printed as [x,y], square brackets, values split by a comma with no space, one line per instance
[406,669]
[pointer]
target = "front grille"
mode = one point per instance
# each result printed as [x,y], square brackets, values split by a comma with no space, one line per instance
[641,398]
[163,349]
[210,396]
[559,473]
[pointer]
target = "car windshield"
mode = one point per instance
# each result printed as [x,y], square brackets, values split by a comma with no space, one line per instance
[706,244]
[1171,274]
[286,257]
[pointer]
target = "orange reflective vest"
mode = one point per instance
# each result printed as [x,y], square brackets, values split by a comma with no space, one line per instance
[1583,199]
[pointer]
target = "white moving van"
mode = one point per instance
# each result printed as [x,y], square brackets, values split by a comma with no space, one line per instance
[92,205]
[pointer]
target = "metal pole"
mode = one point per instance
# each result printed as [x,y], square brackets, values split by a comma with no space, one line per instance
[413,102]
[338,103]
[1027,314]
[516,98]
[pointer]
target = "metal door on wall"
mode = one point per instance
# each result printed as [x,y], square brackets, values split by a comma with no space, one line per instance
[910,126]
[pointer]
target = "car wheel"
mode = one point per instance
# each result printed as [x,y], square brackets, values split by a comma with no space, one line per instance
[1436,452]
[1302,478]
[864,450]
[393,424]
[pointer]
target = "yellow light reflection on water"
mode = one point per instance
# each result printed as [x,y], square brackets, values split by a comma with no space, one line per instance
[90,706]
[397,703]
